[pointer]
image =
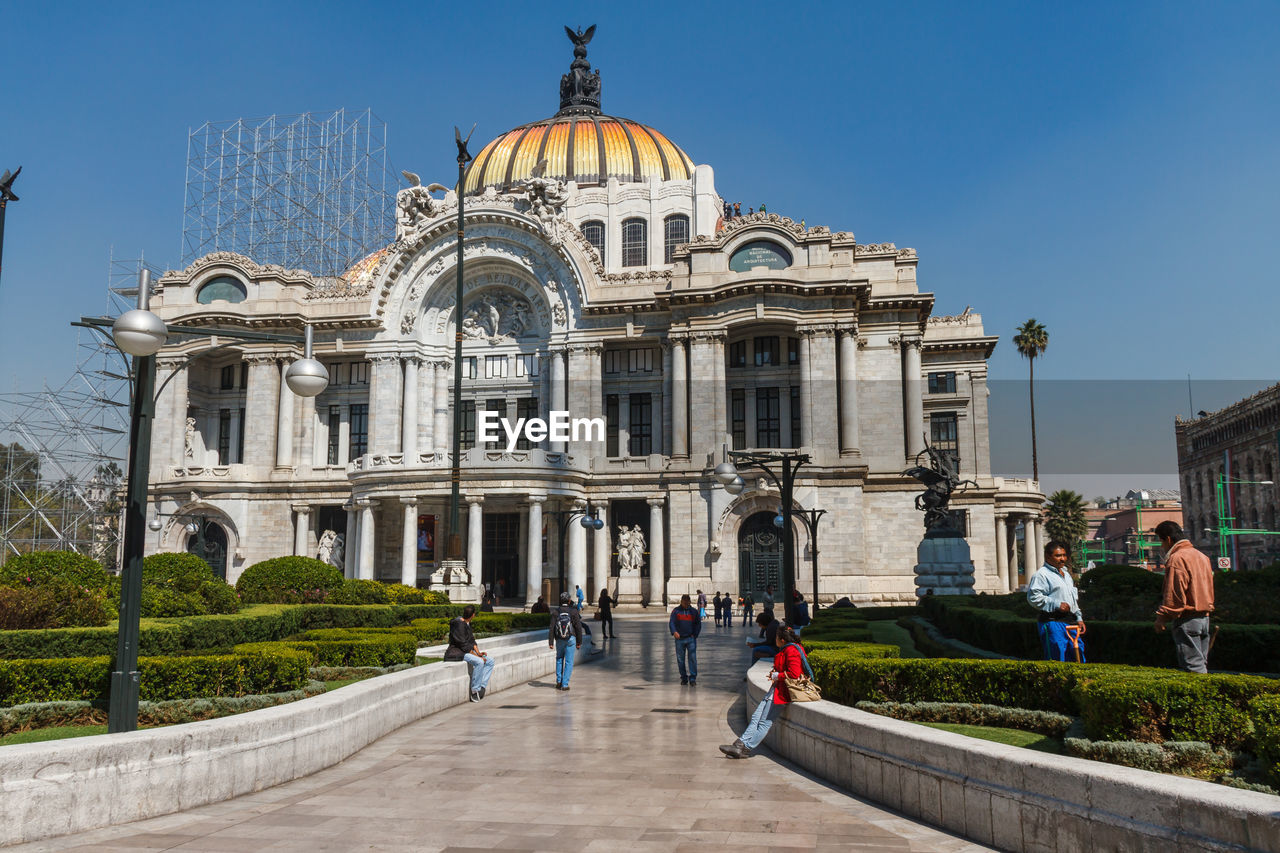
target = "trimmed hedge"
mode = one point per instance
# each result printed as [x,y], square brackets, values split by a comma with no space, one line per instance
[54,567]
[289,580]
[53,605]
[264,623]
[1042,722]
[345,648]
[358,591]
[1265,714]
[88,679]
[182,584]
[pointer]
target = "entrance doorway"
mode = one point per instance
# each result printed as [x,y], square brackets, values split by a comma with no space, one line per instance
[500,557]
[209,543]
[759,556]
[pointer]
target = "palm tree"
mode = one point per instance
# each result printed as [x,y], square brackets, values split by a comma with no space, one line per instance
[1032,340]
[1064,518]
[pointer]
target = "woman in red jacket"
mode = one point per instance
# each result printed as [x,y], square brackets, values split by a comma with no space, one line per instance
[790,662]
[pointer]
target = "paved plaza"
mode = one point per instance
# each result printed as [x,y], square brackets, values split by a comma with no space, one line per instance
[626,760]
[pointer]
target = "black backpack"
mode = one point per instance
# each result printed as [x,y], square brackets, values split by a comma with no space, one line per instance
[564,625]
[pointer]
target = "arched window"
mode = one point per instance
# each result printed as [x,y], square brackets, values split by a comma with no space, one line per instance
[594,232]
[675,230]
[635,243]
[224,288]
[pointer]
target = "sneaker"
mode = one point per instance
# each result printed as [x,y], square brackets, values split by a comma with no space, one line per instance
[737,749]
[475,695]
[482,691]
[565,688]
[692,681]
[684,681]
[560,686]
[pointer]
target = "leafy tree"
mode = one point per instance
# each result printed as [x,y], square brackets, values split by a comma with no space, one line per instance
[1032,340]
[1064,517]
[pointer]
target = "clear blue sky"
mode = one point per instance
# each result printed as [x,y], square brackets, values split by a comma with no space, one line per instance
[1109,169]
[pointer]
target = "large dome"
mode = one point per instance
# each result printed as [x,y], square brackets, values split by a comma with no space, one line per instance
[588,149]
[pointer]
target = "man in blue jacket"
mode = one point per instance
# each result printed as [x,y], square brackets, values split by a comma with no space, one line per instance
[685,625]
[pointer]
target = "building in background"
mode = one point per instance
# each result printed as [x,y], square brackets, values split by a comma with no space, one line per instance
[1227,464]
[1123,530]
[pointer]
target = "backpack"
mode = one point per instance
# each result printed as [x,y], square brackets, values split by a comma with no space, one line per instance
[564,625]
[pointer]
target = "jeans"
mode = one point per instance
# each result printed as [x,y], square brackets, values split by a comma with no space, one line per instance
[1191,642]
[761,651]
[761,721]
[746,616]
[606,624]
[566,651]
[481,669]
[687,646]
[1057,642]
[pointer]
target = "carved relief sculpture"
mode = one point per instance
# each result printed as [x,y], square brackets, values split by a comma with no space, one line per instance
[415,206]
[495,317]
[546,197]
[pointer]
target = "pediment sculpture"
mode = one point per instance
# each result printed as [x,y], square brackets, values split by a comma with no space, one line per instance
[495,317]
[546,198]
[415,206]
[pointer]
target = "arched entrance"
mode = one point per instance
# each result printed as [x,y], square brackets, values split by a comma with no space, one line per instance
[209,543]
[759,555]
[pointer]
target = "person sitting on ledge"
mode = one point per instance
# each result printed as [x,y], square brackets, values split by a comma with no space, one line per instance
[769,627]
[540,606]
[1052,592]
[462,646]
[789,662]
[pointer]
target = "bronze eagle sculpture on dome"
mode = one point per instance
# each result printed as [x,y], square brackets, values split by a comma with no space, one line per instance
[581,39]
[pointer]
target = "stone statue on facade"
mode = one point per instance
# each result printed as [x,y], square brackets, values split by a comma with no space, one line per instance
[324,548]
[546,197]
[338,554]
[630,549]
[940,479]
[415,206]
[189,440]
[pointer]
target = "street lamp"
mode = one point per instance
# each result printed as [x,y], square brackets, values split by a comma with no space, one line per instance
[6,196]
[565,517]
[141,334]
[810,518]
[196,525]
[453,549]
[726,473]
[1226,522]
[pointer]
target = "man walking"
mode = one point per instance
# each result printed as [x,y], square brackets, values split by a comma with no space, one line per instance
[748,608]
[565,635]
[1188,598]
[1052,592]
[766,603]
[577,590]
[685,626]
[702,605]
[462,646]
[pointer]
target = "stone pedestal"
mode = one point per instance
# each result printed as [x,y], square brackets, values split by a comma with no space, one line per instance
[943,566]
[454,580]
[628,589]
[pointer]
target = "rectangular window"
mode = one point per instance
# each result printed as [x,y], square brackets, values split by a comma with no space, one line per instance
[358,372]
[738,417]
[335,373]
[495,367]
[738,354]
[359,421]
[526,365]
[469,367]
[240,441]
[498,405]
[942,383]
[527,408]
[335,435]
[641,425]
[640,360]
[795,415]
[224,435]
[468,433]
[228,378]
[766,351]
[768,417]
[943,435]
[244,374]
[613,360]
[611,425]
[793,351]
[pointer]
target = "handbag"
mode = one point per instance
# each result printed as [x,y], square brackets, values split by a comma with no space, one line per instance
[596,616]
[803,689]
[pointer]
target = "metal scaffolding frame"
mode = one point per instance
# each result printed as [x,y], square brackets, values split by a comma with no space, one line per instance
[62,450]
[306,191]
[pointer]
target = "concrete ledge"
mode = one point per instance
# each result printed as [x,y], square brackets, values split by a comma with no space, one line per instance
[585,651]
[1014,798]
[59,787]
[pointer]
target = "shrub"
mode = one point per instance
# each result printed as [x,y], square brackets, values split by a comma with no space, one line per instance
[1044,722]
[161,603]
[355,591]
[53,605]
[39,715]
[1187,758]
[219,597]
[374,648]
[182,584]
[1265,713]
[433,596]
[399,593]
[289,580]
[54,567]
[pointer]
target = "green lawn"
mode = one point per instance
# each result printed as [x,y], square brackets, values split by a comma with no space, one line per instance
[51,733]
[1011,737]
[893,634]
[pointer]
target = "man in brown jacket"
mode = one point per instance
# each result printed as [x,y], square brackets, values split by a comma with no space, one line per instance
[1188,598]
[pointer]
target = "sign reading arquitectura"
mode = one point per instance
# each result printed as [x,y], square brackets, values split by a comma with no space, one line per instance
[603,280]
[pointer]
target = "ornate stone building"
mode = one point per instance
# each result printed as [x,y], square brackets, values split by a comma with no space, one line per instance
[601,278]
[1228,461]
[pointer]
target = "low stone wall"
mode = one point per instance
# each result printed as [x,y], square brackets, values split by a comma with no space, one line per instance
[59,787]
[1014,798]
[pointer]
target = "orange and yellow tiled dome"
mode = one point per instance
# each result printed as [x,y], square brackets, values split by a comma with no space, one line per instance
[588,149]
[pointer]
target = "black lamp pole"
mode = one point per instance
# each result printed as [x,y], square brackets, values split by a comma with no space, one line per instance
[565,517]
[454,549]
[810,518]
[6,196]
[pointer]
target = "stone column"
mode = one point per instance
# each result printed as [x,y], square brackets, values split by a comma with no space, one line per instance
[595,391]
[440,430]
[284,423]
[1002,554]
[912,397]
[848,349]
[409,543]
[600,577]
[679,400]
[409,426]
[720,394]
[169,442]
[806,390]
[307,421]
[558,390]
[522,556]
[475,537]
[533,574]
[351,541]
[426,406]
[1030,547]
[302,531]
[364,569]
[657,553]
[384,402]
[261,399]
[979,406]
[578,550]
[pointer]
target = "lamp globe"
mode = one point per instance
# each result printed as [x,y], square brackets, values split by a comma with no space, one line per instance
[307,377]
[725,472]
[139,332]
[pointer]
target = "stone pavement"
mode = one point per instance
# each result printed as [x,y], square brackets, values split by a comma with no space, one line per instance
[626,760]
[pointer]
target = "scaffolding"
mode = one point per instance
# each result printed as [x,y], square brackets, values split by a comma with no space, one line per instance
[62,450]
[305,191]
